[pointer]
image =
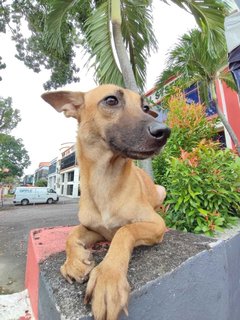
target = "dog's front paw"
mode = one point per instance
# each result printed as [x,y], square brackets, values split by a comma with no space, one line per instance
[78,266]
[108,290]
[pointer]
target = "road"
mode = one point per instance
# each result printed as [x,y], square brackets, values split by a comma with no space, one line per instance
[15,224]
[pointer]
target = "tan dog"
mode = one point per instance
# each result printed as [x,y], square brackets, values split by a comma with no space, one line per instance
[118,200]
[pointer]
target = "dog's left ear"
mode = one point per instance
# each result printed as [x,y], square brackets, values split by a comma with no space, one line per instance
[68,102]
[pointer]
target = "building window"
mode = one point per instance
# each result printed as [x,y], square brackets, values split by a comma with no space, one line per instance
[70,190]
[220,137]
[52,168]
[70,176]
[68,161]
[62,177]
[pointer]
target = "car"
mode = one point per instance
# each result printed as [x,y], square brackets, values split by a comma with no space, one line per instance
[28,195]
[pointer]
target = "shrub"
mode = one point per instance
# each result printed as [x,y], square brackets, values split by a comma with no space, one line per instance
[203,189]
[189,126]
[41,183]
[202,181]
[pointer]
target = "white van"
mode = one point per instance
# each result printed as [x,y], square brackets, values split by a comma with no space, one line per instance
[27,195]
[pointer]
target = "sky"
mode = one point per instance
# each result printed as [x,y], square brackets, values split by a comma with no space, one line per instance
[42,129]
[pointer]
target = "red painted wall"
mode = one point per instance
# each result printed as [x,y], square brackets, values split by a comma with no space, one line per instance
[232,106]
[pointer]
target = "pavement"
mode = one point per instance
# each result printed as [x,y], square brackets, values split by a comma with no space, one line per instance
[16,306]
[15,225]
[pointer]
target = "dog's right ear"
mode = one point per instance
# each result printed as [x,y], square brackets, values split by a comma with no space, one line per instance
[68,102]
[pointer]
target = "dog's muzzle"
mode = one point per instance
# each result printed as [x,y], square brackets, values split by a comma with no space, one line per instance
[159,131]
[138,139]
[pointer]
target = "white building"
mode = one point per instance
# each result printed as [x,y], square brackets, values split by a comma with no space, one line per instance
[64,173]
[54,176]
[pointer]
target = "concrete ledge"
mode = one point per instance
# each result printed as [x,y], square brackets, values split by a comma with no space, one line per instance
[185,277]
[41,244]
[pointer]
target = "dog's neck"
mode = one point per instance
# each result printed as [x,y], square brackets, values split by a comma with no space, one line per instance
[100,167]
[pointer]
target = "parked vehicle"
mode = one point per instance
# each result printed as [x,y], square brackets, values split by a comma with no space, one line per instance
[27,195]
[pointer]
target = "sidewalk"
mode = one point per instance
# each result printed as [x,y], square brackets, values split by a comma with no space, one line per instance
[63,199]
[6,202]
[15,306]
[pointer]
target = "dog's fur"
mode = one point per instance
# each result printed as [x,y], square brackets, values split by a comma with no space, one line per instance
[118,200]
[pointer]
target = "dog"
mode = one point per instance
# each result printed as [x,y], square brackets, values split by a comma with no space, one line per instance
[118,200]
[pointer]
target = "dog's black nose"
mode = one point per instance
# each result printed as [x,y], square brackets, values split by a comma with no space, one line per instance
[159,130]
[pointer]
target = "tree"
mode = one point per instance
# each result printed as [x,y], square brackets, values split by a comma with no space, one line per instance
[41,183]
[192,62]
[33,51]
[9,117]
[13,157]
[4,20]
[133,27]
[57,26]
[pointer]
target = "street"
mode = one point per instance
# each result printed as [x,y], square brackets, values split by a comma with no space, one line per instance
[15,224]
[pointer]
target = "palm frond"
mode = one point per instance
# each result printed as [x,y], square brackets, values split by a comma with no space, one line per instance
[165,76]
[98,37]
[192,60]
[55,21]
[138,35]
[203,91]
[228,79]
[183,59]
[209,15]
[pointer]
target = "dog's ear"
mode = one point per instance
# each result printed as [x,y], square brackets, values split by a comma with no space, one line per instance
[68,102]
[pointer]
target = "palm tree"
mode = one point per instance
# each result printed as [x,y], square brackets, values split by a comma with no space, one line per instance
[192,62]
[130,25]
[96,22]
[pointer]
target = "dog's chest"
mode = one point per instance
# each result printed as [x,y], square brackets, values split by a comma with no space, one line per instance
[111,221]
[107,195]
[110,217]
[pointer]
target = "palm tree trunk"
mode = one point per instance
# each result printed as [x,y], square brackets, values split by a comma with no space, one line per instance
[125,64]
[224,119]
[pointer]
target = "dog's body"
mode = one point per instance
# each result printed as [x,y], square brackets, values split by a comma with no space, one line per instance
[118,200]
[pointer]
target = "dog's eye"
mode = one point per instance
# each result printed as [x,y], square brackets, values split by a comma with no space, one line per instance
[111,101]
[146,108]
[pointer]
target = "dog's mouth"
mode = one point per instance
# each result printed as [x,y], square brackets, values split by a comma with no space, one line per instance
[127,152]
[141,155]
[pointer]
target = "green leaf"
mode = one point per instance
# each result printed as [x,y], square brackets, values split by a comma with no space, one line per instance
[209,15]
[205,229]
[54,23]
[203,212]
[197,229]
[219,221]
[179,202]
[138,35]
[208,233]
[98,37]
[199,222]
[217,228]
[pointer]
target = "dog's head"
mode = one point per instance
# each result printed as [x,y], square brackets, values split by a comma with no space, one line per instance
[117,117]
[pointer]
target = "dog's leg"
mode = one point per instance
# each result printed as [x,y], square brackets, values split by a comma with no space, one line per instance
[79,260]
[108,287]
[161,193]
